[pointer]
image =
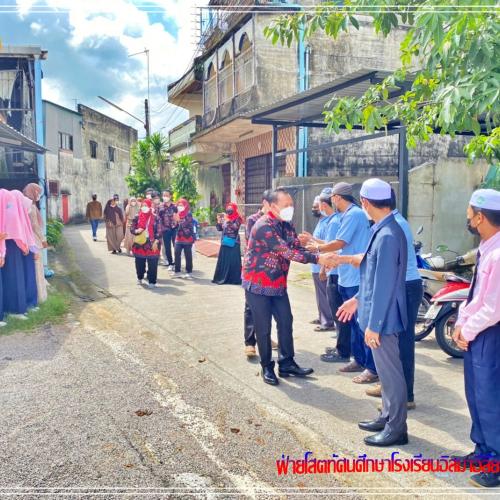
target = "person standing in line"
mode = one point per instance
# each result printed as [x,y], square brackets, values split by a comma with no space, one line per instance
[264,275]
[382,314]
[184,239]
[228,269]
[146,229]
[131,213]
[94,215]
[113,216]
[325,215]
[352,238]
[34,192]
[149,193]
[156,202]
[169,227]
[477,332]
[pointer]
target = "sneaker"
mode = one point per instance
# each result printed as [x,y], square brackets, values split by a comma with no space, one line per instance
[19,316]
[151,285]
[177,275]
[333,357]
[486,480]
[250,351]
[140,282]
[171,268]
[95,239]
[2,323]
[188,276]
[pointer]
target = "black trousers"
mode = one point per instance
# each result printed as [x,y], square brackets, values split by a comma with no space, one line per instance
[248,326]
[343,329]
[188,254]
[169,242]
[152,264]
[263,309]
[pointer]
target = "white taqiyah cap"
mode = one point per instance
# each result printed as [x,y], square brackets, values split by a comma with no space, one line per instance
[375,189]
[316,200]
[486,198]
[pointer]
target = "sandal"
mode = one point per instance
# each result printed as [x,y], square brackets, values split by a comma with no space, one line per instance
[366,377]
[351,368]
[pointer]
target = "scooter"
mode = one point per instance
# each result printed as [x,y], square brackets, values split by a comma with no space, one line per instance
[442,315]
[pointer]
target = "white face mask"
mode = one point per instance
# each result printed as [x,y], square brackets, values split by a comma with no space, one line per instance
[145,209]
[323,213]
[286,214]
[148,196]
[133,203]
[181,208]
[166,199]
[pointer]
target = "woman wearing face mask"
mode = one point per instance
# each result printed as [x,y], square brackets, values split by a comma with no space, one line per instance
[169,227]
[146,247]
[113,216]
[228,270]
[131,212]
[184,239]
[18,250]
[33,192]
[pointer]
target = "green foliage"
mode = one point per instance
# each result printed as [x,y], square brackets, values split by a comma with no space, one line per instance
[455,44]
[54,232]
[207,214]
[51,311]
[149,165]
[184,182]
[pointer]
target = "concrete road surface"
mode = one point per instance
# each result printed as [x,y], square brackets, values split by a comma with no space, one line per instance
[148,392]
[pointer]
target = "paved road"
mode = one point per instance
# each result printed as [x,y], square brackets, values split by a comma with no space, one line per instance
[150,389]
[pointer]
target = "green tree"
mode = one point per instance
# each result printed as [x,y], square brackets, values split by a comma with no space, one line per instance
[149,167]
[184,182]
[455,44]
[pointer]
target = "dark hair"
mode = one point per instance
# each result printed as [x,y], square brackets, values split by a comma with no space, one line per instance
[167,191]
[393,200]
[348,197]
[94,197]
[271,195]
[155,194]
[326,199]
[493,216]
[380,203]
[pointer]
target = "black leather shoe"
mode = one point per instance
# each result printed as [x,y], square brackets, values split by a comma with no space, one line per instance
[467,460]
[486,480]
[295,370]
[373,425]
[385,438]
[269,376]
[333,357]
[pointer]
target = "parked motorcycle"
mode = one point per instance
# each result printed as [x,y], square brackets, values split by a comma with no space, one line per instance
[442,315]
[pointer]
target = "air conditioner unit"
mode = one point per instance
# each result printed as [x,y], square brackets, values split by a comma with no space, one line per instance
[109,165]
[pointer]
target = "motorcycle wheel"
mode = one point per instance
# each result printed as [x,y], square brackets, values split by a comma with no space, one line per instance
[423,327]
[444,331]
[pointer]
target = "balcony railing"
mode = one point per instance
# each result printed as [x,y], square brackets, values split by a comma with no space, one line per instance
[181,135]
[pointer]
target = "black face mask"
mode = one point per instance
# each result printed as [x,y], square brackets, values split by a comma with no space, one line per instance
[229,211]
[315,213]
[472,230]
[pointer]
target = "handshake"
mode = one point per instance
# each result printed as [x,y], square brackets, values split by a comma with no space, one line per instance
[328,260]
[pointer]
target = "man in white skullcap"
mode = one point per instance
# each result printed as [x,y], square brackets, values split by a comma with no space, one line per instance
[382,313]
[477,331]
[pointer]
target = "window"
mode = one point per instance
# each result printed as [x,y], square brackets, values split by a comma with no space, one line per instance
[93,149]
[54,188]
[210,89]
[243,65]
[111,153]
[65,141]
[226,79]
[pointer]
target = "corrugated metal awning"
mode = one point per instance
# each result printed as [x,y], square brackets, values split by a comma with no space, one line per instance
[11,138]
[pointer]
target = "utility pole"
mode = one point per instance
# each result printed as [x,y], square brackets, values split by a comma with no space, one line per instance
[147,123]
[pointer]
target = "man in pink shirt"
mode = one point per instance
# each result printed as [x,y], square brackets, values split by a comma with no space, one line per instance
[477,332]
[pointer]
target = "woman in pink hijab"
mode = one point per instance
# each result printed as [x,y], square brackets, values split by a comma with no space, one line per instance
[18,251]
[34,192]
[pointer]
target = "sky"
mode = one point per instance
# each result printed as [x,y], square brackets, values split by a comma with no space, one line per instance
[89,43]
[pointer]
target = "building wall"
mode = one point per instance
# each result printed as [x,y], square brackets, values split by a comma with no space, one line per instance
[78,174]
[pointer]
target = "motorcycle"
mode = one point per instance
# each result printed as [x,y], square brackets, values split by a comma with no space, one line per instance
[442,315]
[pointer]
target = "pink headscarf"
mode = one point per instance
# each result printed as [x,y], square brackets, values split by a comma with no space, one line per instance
[15,221]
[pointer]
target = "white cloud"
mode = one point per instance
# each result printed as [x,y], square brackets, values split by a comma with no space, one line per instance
[94,21]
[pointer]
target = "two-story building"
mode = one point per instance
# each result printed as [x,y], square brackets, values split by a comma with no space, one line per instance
[87,152]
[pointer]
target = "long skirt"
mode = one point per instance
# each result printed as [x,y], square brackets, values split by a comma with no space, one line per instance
[41,282]
[114,237]
[129,240]
[30,280]
[228,270]
[13,280]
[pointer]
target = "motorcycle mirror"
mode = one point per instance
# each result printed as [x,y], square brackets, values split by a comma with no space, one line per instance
[442,248]
[420,230]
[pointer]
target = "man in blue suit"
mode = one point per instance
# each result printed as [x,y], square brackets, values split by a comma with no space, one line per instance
[382,314]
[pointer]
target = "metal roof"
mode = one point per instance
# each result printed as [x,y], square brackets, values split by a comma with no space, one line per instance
[11,138]
[306,108]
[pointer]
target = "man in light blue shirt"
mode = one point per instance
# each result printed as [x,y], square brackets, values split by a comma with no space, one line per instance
[325,317]
[352,238]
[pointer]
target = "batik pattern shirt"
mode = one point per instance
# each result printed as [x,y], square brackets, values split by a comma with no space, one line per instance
[147,250]
[251,222]
[268,256]
[167,219]
[185,231]
[231,229]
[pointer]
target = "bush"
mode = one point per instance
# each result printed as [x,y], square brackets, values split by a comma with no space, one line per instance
[54,232]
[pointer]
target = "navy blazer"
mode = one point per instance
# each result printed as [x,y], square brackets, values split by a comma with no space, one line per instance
[382,290]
